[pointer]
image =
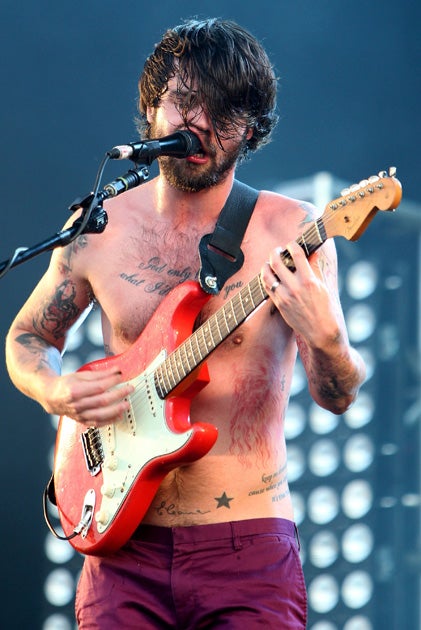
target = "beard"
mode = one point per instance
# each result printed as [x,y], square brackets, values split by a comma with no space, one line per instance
[190,177]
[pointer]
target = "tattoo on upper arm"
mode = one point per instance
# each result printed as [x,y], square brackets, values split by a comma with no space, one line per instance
[71,250]
[60,312]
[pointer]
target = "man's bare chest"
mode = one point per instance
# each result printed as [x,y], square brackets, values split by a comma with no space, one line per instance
[146,265]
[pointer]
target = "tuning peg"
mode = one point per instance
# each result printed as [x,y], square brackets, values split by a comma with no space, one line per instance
[392,171]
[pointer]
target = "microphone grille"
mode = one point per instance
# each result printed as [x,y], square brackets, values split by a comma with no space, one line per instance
[193,144]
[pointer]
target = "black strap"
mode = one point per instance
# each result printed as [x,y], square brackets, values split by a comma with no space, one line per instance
[220,253]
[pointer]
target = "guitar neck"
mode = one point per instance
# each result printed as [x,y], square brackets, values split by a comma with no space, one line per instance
[196,348]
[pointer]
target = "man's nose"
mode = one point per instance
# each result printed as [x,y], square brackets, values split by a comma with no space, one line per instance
[200,119]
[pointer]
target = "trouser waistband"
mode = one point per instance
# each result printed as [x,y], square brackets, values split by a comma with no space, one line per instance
[215,531]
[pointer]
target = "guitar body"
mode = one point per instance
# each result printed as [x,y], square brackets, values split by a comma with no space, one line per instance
[105,479]
[115,471]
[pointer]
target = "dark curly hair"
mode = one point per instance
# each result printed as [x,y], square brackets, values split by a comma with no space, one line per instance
[221,67]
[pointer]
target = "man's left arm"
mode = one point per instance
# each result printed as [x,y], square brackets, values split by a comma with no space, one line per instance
[308,300]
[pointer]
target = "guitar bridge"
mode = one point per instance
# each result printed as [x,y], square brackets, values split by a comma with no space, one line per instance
[92,450]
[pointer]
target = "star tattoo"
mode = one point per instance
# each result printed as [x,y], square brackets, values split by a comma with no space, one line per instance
[223,501]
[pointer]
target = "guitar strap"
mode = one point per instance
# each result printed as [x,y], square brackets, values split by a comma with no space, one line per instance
[220,253]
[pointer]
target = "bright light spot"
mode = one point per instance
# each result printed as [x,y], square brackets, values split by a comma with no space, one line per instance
[323,458]
[357,543]
[59,587]
[357,498]
[94,329]
[361,280]
[298,506]
[357,589]
[322,421]
[361,412]
[369,360]
[323,593]
[323,505]
[358,452]
[57,622]
[323,549]
[299,379]
[361,322]
[56,550]
[295,421]
[359,622]
[296,462]
[324,625]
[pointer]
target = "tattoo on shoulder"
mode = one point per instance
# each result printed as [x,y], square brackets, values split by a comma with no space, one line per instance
[310,213]
[72,250]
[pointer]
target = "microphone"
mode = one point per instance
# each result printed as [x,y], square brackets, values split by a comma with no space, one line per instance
[180,145]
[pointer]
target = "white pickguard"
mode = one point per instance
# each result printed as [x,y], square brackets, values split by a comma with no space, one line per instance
[131,444]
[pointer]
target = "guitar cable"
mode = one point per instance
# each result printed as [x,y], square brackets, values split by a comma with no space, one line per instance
[49,495]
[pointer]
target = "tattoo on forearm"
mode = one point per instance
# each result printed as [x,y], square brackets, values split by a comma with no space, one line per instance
[39,348]
[60,313]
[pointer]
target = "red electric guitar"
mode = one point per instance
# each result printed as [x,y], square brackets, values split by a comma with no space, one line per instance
[105,478]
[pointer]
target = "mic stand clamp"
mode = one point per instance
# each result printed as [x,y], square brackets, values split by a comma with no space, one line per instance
[96,223]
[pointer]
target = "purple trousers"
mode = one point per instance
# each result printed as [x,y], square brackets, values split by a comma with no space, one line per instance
[237,576]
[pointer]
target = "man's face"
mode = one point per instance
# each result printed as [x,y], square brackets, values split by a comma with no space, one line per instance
[216,160]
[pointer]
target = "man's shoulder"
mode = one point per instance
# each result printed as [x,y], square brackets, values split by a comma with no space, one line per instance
[281,203]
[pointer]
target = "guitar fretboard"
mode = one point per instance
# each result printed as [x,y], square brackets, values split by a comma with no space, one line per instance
[196,348]
[192,352]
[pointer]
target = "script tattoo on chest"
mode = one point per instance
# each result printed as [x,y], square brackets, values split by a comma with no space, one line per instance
[168,276]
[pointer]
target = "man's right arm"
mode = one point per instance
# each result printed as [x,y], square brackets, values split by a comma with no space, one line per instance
[34,345]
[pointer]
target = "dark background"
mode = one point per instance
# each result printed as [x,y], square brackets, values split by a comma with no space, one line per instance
[349,99]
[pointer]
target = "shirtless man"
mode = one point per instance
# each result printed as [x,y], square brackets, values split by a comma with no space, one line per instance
[217,546]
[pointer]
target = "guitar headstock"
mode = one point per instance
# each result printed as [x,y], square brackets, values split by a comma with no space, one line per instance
[350,214]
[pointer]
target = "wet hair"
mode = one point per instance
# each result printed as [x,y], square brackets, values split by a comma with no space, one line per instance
[219,66]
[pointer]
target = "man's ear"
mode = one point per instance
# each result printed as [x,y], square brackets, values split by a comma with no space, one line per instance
[150,114]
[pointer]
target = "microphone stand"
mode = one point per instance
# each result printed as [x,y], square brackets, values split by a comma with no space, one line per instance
[93,214]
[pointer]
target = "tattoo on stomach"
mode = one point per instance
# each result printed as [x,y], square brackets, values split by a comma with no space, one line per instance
[273,483]
[165,508]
